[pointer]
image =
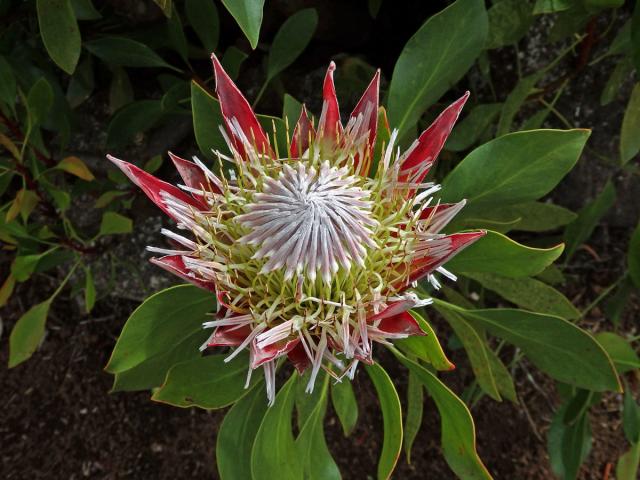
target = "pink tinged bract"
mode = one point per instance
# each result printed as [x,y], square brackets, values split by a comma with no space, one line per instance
[260,356]
[237,113]
[175,264]
[403,323]
[302,135]
[153,187]
[192,175]
[330,127]
[229,336]
[424,152]
[298,356]
[368,107]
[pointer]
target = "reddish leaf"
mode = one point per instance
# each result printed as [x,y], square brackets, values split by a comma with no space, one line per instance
[301,135]
[330,127]
[175,265]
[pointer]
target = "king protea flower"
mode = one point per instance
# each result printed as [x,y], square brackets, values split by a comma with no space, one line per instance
[311,253]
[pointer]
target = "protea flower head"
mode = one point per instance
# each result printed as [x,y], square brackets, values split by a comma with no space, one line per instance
[313,253]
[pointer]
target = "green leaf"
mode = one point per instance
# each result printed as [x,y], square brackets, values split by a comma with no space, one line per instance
[472,127]
[495,253]
[622,354]
[612,88]
[509,21]
[426,347]
[206,382]
[578,231]
[555,346]
[291,112]
[120,90]
[475,346]
[568,444]
[175,34]
[628,464]
[113,223]
[292,38]
[318,464]
[630,416]
[514,101]
[237,433]
[60,33]
[391,419]
[171,314]
[89,291]
[515,168]
[633,256]
[232,60]
[124,52]
[502,377]
[248,14]
[28,333]
[39,101]
[458,436]
[551,6]
[7,82]
[635,37]
[413,420]
[81,84]
[274,450]
[207,116]
[134,118]
[529,294]
[165,6]
[435,58]
[84,10]
[203,17]
[629,138]
[345,404]
[536,216]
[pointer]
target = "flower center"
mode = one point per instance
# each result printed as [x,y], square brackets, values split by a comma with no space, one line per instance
[308,220]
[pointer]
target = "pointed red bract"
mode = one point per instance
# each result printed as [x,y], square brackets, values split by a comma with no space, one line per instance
[330,127]
[417,164]
[229,336]
[298,356]
[368,106]
[302,134]
[401,323]
[235,106]
[175,264]
[459,241]
[152,186]
[192,175]
[393,309]
[260,356]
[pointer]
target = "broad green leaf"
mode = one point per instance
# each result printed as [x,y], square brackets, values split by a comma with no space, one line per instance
[413,420]
[81,84]
[237,433]
[152,372]
[23,204]
[317,462]
[391,419]
[291,112]
[345,404]
[555,346]
[175,35]
[165,6]
[207,117]
[426,347]
[124,52]
[435,58]
[89,291]
[206,382]
[275,129]
[472,127]
[7,289]
[633,256]
[27,333]
[291,40]
[172,315]
[77,167]
[107,197]
[203,17]
[131,120]
[615,305]
[458,436]
[60,33]
[629,137]
[612,88]
[578,231]
[7,82]
[502,377]
[23,266]
[39,101]
[568,444]
[475,346]
[84,10]
[551,6]
[630,416]
[514,101]
[635,37]
[248,14]
[622,354]
[274,450]
[120,90]
[495,253]
[629,464]
[113,223]
[536,216]
[530,294]
[515,168]
[509,21]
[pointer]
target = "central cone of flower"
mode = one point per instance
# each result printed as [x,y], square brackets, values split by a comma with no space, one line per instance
[310,219]
[311,253]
